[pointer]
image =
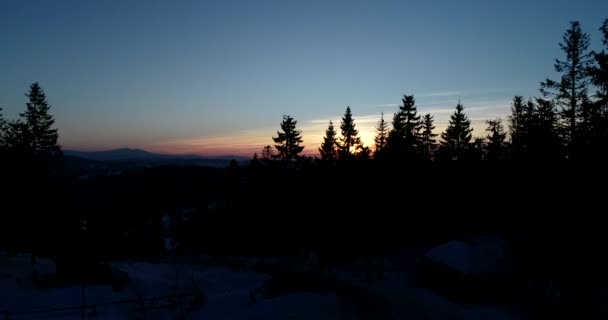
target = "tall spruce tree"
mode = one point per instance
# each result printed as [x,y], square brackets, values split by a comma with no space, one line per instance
[36,159]
[328,149]
[412,122]
[349,144]
[42,136]
[495,141]
[288,142]
[571,90]
[381,138]
[428,144]
[517,124]
[457,136]
[404,138]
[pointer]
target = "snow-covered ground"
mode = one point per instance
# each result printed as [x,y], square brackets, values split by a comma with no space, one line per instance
[408,302]
[227,291]
[228,296]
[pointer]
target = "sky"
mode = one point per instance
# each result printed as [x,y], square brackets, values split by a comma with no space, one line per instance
[216,77]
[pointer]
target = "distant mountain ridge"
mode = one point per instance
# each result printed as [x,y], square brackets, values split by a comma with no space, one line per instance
[123,154]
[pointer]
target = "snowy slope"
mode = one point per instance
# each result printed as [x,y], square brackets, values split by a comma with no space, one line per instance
[408,302]
[227,294]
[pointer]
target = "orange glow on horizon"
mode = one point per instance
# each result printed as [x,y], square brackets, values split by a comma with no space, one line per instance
[247,142]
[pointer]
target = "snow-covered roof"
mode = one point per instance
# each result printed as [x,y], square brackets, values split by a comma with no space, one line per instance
[469,259]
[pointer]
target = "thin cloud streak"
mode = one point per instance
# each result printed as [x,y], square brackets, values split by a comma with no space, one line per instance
[384,105]
[441,94]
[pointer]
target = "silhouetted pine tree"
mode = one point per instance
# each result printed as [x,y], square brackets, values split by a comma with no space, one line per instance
[542,133]
[404,138]
[412,122]
[428,143]
[457,136]
[349,144]
[381,138]
[328,147]
[571,91]
[517,125]
[39,122]
[495,141]
[288,141]
[36,161]
[267,154]
[529,112]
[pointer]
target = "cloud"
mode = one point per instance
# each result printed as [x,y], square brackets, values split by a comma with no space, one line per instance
[244,142]
[464,92]
[439,94]
[445,98]
[321,121]
[385,105]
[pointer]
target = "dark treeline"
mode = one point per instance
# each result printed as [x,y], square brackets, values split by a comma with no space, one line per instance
[537,178]
[567,122]
[552,133]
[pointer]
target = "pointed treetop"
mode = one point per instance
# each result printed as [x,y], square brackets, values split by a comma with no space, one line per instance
[288,141]
[457,136]
[328,149]
[349,143]
[42,137]
[381,138]
[427,136]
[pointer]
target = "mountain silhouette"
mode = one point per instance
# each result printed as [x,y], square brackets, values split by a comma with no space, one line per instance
[123,154]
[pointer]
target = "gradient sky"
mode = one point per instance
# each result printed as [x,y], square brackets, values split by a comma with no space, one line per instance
[215,77]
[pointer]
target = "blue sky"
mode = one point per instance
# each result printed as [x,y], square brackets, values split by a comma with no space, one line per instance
[217,76]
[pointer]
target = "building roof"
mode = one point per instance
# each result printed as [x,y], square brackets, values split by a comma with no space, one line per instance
[477,258]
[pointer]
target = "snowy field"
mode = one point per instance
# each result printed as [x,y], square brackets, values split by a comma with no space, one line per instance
[228,296]
[227,293]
